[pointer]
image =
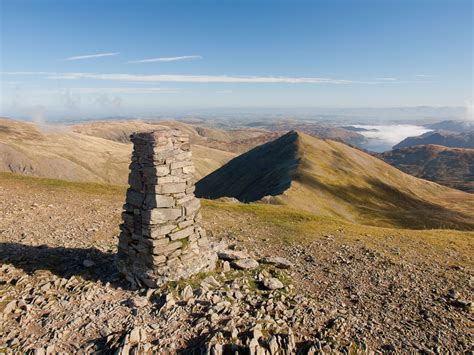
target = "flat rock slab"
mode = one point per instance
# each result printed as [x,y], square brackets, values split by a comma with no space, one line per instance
[245,264]
[277,261]
[232,255]
[272,283]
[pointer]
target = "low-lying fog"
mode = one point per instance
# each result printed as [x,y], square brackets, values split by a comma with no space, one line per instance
[383,137]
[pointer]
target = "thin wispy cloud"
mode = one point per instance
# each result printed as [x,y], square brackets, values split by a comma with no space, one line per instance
[123,90]
[426,76]
[28,73]
[91,56]
[199,78]
[166,59]
[157,78]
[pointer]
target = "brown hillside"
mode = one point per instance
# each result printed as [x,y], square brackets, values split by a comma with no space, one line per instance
[453,167]
[97,156]
[60,153]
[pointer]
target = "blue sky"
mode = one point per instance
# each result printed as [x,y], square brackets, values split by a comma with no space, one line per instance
[104,58]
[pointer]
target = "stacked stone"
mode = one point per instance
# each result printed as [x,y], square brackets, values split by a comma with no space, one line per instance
[161,238]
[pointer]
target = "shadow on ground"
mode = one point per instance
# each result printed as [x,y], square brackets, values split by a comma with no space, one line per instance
[63,262]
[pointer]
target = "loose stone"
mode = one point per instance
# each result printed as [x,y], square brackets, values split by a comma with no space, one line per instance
[272,283]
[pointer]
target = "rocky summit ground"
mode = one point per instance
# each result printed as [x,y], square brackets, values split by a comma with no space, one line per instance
[349,288]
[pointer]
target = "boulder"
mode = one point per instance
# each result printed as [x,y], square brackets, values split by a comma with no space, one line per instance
[245,264]
[277,261]
[272,283]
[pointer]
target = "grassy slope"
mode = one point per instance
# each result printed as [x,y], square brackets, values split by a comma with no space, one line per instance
[292,225]
[66,154]
[282,222]
[334,179]
[60,153]
[62,186]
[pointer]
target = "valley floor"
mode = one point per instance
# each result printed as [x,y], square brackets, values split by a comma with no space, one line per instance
[351,287]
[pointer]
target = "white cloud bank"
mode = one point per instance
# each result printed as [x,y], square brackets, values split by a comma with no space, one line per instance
[91,56]
[166,59]
[391,134]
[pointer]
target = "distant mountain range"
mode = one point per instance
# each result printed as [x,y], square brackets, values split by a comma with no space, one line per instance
[453,167]
[346,134]
[452,126]
[444,138]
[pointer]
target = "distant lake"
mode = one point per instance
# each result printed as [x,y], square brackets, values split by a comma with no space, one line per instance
[381,138]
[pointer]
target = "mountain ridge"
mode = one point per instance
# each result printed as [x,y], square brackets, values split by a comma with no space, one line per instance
[444,138]
[333,179]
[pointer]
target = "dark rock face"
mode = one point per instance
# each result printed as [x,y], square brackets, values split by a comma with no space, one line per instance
[161,238]
[263,171]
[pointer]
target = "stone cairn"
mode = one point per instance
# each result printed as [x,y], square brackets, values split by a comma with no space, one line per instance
[161,238]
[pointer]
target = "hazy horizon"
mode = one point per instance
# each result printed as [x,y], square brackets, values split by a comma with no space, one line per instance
[353,115]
